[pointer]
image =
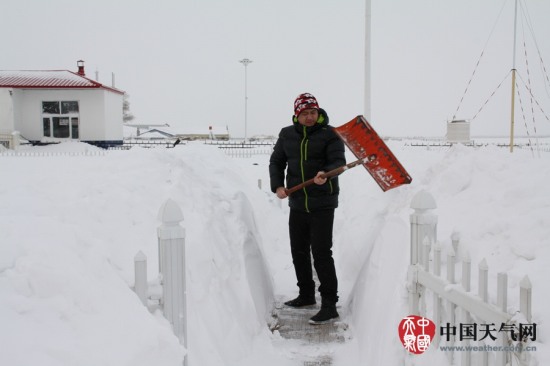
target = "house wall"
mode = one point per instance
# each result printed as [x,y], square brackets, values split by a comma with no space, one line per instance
[114,118]
[6,110]
[92,122]
[97,112]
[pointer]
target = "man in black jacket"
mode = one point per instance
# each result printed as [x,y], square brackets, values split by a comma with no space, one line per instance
[307,149]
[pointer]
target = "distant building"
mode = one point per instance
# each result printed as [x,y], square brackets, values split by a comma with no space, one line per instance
[60,105]
[213,133]
[135,130]
[155,134]
[458,131]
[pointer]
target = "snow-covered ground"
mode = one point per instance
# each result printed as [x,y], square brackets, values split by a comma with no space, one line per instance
[70,226]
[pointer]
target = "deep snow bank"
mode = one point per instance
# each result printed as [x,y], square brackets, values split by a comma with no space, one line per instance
[498,202]
[71,226]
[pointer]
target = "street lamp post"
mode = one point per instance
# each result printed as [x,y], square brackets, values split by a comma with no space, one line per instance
[245,62]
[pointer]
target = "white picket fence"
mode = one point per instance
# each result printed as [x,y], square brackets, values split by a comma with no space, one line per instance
[443,300]
[243,149]
[168,292]
[42,154]
[245,152]
[172,297]
[451,303]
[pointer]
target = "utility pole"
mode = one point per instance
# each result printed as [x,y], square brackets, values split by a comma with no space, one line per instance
[512,114]
[245,62]
[368,60]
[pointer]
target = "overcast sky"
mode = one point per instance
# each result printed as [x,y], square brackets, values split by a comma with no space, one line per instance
[179,60]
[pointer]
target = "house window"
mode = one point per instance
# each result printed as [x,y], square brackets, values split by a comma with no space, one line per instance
[69,107]
[60,119]
[50,107]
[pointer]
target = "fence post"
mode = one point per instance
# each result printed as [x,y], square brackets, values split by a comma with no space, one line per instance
[423,227]
[15,140]
[466,318]
[525,293]
[502,303]
[171,237]
[455,239]
[451,275]
[140,277]
[437,304]
[423,223]
[525,298]
[483,293]
[483,281]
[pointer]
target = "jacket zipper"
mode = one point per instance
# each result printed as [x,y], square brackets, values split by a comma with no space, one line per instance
[303,157]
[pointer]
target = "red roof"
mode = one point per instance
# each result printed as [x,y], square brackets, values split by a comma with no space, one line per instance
[48,79]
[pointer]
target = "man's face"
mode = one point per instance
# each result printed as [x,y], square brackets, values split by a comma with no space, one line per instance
[308,117]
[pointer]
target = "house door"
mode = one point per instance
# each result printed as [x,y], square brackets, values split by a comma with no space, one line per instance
[61,127]
[74,127]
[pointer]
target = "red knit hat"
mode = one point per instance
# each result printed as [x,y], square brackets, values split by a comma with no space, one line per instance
[304,101]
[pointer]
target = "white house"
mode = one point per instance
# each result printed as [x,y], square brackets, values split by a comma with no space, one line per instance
[60,105]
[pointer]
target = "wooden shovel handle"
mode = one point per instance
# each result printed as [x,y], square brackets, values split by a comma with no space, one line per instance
[330,174]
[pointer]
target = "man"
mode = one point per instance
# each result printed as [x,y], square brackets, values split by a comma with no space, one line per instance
[307,149]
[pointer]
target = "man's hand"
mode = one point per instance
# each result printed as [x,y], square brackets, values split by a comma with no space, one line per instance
[281,193]
[318,179]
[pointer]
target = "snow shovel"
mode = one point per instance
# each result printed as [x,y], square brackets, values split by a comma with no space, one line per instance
[371,152]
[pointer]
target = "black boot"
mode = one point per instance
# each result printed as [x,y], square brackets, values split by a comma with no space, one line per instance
[301,301]
[325,315]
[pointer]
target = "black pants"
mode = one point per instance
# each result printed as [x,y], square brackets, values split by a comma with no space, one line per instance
[312,233]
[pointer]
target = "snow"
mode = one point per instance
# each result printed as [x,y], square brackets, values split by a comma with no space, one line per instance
[72,221]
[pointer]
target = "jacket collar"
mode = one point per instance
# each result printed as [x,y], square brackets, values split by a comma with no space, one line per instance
[321,122]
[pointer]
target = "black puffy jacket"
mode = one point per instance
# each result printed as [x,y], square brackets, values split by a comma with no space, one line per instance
[304,151]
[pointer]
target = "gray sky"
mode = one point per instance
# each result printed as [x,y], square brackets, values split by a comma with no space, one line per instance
[178,60]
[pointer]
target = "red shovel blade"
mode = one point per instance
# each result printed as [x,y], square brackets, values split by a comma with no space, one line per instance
[364,142]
